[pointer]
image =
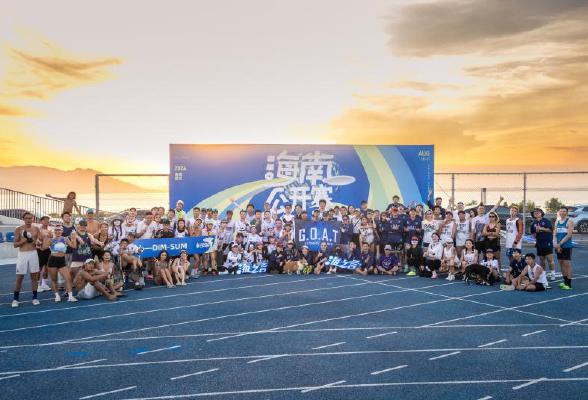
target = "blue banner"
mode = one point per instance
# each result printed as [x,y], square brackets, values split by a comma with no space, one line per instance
[224,177]
[193,245]
[244,268]
[311,233]
[342,263]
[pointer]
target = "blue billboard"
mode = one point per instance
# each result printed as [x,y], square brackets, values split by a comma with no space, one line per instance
[223,177]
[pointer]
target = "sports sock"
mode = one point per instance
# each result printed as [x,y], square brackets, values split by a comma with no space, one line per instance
[16,295]
[34,294]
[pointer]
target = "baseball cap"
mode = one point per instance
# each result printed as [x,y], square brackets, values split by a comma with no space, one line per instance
[89,260]
[90,211]
[291,242]
[489,250]
[280,244]
[388,247]
[414,238]
[83,222]
[448,240]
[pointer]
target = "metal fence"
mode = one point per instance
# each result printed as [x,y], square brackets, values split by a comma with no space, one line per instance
[13,204]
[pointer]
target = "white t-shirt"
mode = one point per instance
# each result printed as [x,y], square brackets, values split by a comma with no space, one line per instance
[151,229]
[463,232]
[429,227]
[435,250]
[532,272]
[512,232]
[492,264]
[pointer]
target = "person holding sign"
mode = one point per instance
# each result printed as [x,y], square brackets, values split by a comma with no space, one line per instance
[321,258]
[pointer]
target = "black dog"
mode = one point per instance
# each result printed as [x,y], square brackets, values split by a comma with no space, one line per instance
[478,273]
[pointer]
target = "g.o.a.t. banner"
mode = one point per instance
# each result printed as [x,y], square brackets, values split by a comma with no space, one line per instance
[193,245]
[312,233]
[227,176]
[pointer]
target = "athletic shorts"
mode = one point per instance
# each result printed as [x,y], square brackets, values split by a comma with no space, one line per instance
[56,262]
[565,254]
[88,292]
[539,287]
[480,246]
[43,256]
[27,262]
[544,251]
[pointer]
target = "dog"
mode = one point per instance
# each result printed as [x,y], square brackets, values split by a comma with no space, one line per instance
[478,273]
[294,266]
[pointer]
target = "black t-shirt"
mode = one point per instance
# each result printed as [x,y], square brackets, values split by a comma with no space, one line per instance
[517,267]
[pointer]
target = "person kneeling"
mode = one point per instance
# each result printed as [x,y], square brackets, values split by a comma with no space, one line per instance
[89,282]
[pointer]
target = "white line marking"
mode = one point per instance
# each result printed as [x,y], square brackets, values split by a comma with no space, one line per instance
[313,354]
[328,385]
[158,350]
[485,398]
[388,370]
[82,363]
[328,345]
[10,376]
[445,355]
[350,386]
[534,381]
[381,334]
[575,367]
[532,333]
[263,359]
[492,343]
[194,374]
[575,322]
[133,313]
[105,393]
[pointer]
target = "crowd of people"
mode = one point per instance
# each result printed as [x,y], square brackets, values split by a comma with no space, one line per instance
[83,257]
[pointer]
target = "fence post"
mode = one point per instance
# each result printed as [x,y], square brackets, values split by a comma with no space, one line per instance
[97,186]
[524,202]
[452,190]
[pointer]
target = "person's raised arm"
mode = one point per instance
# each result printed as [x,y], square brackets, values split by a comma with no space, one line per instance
[55,197]
[496,205]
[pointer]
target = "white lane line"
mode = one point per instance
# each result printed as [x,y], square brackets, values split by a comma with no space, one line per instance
[575,367]
[579,322]
[485,398]
[381,334]
[194,374]
[328,345]
[492,343]
[158,350]
[263,359]
[532,333]
[349,386]
[444,355]
[328,385]
[388,370]
[105,393]
[187,306]
[82,363]
[313,354]
[534,381]
[10,376]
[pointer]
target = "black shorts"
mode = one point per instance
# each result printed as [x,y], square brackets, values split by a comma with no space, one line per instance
[493,244]
[565,254]
[539,287]
[56,262]
[544,251]
[43,256]
[480,246]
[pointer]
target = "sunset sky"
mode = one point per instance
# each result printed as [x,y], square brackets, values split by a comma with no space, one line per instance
[499,85]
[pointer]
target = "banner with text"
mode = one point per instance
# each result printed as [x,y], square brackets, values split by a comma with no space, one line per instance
[311,233]
[193,245]
[223,177]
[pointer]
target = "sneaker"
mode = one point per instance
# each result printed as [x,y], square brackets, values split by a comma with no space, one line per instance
[561,285]
[329,272]
[565,287]
[507,287]
[411,273]
[15,303]
[170,286]
[36,302]
[72,299]
[45,287]
[551,276]
[57,298]
[448,277]
[434,276]
[406,269]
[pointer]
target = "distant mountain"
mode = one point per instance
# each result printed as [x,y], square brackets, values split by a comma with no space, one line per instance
[41,180]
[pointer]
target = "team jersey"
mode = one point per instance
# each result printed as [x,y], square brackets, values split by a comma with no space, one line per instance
[463,232]
[396,229]
[512,231]
[562,231]
[387,262]
[413,227]
[543,240]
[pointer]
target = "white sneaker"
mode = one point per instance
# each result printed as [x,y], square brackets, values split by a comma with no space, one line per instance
[45,287]
[36,302]
[448,277]
[57,298]
[72,299]
[15,303]
[40,289]
[551,276]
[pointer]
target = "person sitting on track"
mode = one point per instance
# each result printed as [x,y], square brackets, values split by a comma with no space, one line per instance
[388,263]
[433,254]
[537,277]
[449,258]
[367,261]
[115,280]
[162,270]
[469,256]
[89,282]
[492,264]
[414,256]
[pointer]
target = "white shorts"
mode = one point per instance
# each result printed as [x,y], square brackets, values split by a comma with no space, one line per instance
[27,262]
[88,292]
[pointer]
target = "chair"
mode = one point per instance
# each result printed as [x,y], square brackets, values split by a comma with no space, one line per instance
[10,237]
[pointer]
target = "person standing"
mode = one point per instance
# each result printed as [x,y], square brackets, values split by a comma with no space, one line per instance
[514,233]
[27,262]
[478,223]
[562,238]
[542,228]
[69,202]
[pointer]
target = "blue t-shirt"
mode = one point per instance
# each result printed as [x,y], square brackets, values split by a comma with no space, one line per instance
[544,240]
[413,227]
[346,233]
[388,262]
